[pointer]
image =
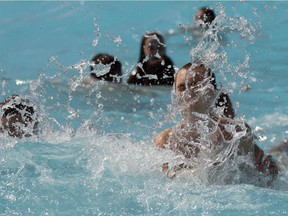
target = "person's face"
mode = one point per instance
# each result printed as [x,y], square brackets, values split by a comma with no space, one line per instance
[152,47]
[193,89]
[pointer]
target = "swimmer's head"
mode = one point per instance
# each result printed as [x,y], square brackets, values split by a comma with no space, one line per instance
[189,77]
[205,15]
[18,117]
[152,45]
[195,87]
[101,61]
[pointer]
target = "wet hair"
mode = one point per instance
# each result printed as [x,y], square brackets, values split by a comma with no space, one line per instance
[16,105]
[145,37]
[160,66]
[115,72]
[212,75]
[25,113]
[206,14]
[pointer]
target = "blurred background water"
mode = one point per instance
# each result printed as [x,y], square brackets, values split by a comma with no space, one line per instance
[95,155]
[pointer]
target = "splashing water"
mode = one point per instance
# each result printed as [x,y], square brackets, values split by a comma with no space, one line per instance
[94,155]
[97,33]
[116,39]
[214,54]
[209,160]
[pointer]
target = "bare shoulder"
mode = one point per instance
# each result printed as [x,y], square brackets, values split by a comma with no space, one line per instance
[162,138]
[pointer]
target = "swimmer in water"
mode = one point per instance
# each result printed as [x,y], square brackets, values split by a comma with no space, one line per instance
[18,117]
[154,66]
[282,147]
[203,19]
[205,16]
[280,152]
[105,67]
[201,129]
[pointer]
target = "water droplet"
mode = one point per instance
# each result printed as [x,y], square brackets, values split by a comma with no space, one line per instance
[262,138]
[98,95]
[52,58]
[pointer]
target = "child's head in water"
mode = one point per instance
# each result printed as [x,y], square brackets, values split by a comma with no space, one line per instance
[191,76]
[154,66]
[196,91]
[195,88]
[152,45]
[18,117]
[205,15]
[108,66]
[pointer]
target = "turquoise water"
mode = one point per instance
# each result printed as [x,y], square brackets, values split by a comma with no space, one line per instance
[95,154]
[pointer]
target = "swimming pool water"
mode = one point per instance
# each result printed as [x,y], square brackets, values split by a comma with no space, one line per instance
[95,155]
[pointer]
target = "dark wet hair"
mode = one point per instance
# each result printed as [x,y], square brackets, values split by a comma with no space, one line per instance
[208,15]
[212,75]
[22,112]
[144,38]
[115,72]
[160,66]
[16,105]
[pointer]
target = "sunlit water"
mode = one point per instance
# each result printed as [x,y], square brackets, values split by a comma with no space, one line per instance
[95,153]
